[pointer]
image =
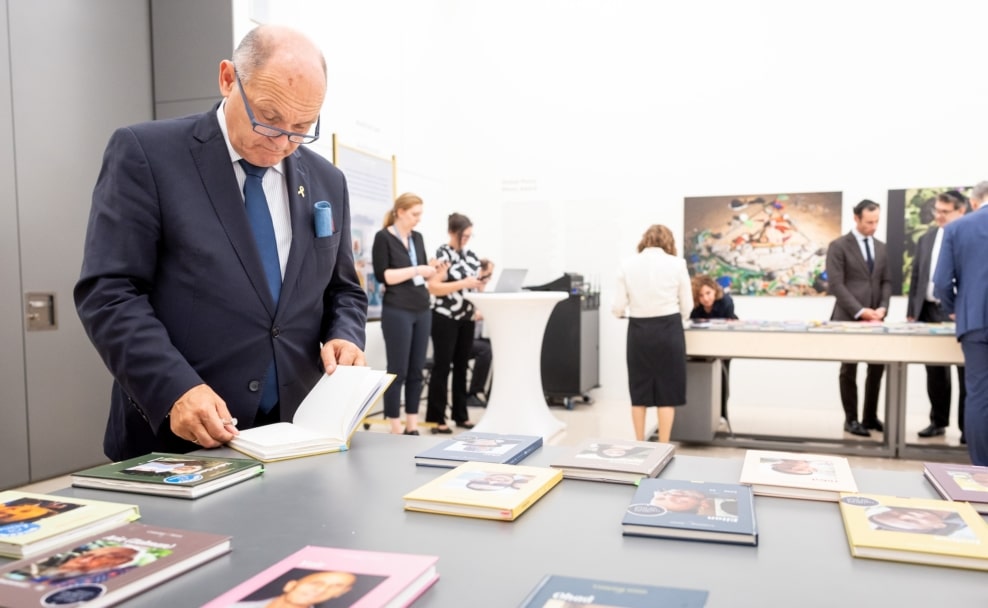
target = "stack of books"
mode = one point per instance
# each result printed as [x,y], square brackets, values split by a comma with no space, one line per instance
[795,475]
[614,460]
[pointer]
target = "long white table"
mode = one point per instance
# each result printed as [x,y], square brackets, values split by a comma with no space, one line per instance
[515,323]
[896,351]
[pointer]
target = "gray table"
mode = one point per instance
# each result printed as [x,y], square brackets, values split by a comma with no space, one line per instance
[353,500]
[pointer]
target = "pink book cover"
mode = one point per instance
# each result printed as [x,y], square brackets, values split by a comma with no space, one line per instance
[327,576]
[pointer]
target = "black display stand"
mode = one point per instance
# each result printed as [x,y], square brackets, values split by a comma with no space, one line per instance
[571,343]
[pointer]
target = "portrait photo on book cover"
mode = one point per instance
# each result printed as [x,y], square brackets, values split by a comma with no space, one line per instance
[482,445]
[166,467]
[821,470]
[308,587]
[92,563]
[488,481]
[913,520]
[17,514]
[970,481]
[693,502]
[614,452]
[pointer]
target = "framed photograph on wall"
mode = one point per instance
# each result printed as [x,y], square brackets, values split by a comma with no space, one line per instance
[762,244]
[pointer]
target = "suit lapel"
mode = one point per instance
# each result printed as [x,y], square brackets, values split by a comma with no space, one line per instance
[303,229]
[855,245]
[216,172]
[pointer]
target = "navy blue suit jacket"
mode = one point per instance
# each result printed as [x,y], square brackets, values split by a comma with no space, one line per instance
[173,293]
[961,278]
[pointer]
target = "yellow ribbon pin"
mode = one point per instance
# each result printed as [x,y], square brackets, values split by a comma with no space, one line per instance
[301,191]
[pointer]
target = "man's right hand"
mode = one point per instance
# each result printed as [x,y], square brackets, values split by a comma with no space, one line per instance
[200,416]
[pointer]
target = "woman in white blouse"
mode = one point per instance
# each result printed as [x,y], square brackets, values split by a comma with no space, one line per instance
[654,292]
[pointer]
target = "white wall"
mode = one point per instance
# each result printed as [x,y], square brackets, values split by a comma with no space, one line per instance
[564,127]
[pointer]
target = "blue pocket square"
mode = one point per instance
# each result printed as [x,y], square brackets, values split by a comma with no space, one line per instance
[324,219]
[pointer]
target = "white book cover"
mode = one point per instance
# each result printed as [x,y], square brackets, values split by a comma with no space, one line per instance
[796,475]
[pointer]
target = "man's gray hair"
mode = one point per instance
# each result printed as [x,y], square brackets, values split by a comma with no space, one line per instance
[980,192]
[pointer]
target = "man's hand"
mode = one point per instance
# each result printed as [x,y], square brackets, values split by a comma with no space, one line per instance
[341,352]
[200,416]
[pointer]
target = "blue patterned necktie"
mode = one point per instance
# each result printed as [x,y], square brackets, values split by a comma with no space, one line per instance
[259,217]
[868,259]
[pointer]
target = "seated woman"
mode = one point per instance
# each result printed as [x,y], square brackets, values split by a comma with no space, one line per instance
[710,302]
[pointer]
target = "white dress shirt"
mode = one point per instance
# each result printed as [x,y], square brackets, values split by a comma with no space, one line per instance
[934,255]
[275,190]
[653,284]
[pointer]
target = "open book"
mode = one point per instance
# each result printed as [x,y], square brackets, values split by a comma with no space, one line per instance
[325,420]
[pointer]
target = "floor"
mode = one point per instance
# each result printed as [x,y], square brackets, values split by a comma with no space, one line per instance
[612,418]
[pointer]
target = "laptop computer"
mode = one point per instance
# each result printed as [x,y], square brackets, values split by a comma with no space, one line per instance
[510,280]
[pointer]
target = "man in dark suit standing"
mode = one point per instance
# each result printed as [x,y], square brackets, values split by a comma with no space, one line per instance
[858,275]
[925,307]
[961,284]
[209,289]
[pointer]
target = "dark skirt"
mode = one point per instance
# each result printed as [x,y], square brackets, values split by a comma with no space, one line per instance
[657,361]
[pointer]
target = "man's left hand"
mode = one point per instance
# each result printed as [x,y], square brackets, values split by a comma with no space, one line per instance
[341,352]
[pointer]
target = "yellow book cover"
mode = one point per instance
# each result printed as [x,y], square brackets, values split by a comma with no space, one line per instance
[484,490]
[916,530]
[31,523]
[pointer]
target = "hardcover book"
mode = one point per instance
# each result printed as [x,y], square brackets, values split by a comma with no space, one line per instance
[795,475]
[106,568]
[325,420]
[479,447]
[614,460]
[33,523]
[359,579]
[916,530]
[181,475]
[717,512]
[555,591]
[484,490]
[963,482]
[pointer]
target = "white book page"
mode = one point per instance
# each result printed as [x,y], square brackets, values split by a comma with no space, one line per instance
[335,401]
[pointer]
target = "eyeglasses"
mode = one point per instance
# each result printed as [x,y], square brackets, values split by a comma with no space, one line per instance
[269,131]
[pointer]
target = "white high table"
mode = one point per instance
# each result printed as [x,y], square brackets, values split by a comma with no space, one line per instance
[515,323]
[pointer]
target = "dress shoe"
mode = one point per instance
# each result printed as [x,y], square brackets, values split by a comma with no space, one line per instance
[407,432]
[441,430]
[466,424]
[874,425]
[856,428]
[475,401]
[932,431]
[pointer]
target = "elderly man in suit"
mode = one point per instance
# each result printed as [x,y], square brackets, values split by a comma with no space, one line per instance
[858,275]
[207,286]
[961,284]
[925,307]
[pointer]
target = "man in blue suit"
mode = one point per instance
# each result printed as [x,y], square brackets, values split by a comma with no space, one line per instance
[203,313]
[961,284]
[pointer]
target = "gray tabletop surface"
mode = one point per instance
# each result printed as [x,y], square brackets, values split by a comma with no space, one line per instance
[354,500]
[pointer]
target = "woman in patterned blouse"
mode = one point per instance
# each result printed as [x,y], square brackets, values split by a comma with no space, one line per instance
[452,326]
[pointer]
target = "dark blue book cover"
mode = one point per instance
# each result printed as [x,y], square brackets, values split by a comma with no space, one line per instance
[556,591]
[479,447]
[696,510]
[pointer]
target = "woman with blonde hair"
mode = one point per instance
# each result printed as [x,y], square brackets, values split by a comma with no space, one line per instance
[653,291]
[400,264]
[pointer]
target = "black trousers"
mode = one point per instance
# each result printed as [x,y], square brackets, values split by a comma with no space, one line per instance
[938,384]
[849,391]
[480,352]
[451,343]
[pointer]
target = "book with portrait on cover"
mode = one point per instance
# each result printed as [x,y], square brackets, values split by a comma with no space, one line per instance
[555,591]
[479,447]
[181,475]
[796,475]
[33,523]
[324,422]
[695,510]
[614,460]
[964,482]
[484,490]
[915,530]
[107,568]
[323,576]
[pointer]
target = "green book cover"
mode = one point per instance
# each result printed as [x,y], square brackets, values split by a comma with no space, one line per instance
[186,475]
